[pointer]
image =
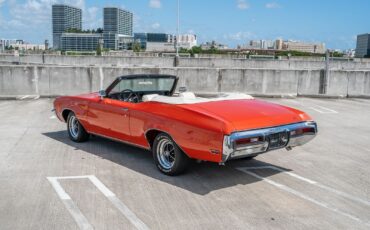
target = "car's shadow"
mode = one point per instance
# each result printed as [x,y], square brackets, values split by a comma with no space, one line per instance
[200,178]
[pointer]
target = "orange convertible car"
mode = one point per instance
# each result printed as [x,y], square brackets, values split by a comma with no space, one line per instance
[145,111]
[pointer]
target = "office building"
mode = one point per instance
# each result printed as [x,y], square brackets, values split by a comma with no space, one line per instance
[64,17]
[124,42]
[155,41]
[159,37]
[304,47]
[142,39]
[117,22]
[279,44]
[363,46]
[81,42]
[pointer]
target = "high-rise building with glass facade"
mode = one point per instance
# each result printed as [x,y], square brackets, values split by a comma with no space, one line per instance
[363,46]
[116,22]
[64,17]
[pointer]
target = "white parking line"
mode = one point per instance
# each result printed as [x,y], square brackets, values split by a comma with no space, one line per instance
[76,213]
[340,193]
[80,219]
[293,101]
[303,196]
[53,117]
[322,109]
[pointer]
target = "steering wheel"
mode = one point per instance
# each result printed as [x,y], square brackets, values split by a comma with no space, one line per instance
[132,96]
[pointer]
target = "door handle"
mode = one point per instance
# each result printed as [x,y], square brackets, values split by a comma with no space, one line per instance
[125,109]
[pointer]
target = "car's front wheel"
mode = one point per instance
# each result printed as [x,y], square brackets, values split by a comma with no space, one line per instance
[76,132]
[168,157]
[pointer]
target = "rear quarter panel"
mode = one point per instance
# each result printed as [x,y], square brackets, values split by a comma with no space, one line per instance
[195,133]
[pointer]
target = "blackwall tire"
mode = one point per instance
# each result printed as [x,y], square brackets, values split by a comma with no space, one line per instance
[76,131]
[168,157]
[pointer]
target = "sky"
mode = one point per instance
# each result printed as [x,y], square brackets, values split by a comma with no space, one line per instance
[333,22]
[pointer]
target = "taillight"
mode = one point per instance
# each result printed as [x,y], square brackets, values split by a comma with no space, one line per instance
[306,130]
[250,140]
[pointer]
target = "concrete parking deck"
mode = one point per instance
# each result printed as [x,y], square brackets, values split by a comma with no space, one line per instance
[50,182]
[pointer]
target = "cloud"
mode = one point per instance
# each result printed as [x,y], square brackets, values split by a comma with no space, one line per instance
[242,4]
[239,36]
[1,2]
[156,25]
[31,19]
[272,5]
[155,4]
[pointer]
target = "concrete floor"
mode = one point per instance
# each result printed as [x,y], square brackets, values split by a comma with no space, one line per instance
[322,185]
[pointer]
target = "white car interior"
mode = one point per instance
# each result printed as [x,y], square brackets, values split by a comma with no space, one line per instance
[161,88]
[191,98]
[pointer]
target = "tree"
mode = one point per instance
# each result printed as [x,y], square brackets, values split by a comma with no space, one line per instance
[136,47]
[98,50]
[196,50]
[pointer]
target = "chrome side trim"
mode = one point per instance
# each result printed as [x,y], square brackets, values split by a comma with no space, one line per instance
[118,140]
[230,151]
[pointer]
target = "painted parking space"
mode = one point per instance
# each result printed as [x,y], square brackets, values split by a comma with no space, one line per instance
[251,171]
[308,105]
[75,212]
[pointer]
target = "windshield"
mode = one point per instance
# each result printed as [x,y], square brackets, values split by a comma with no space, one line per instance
[146,84]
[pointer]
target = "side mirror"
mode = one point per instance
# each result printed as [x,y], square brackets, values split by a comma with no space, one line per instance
[102,94]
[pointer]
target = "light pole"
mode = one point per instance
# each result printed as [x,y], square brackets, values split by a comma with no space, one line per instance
[178,28]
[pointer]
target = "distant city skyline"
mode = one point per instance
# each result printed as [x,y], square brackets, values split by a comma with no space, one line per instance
[231,22]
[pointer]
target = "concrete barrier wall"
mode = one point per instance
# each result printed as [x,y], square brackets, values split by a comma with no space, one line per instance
[184,62]
[58,80]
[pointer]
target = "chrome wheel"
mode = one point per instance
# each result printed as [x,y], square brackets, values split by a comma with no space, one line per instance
[166,153]
[74,127]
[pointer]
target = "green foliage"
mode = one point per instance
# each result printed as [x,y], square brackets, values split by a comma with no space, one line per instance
[199,50]
[98,50]
[78,53]
[337,54]
[136,47]
[294,53]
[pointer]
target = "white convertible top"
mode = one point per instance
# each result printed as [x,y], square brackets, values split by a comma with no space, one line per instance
[190,98]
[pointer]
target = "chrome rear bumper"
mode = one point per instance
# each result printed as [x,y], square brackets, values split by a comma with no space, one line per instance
[286,136]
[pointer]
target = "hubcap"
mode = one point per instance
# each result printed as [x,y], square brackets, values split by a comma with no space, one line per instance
[74,127]
[166,153]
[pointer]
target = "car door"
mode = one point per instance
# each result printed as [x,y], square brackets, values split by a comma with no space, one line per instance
[109,117]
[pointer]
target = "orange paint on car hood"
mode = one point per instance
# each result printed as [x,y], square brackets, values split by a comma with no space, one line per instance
[250,114]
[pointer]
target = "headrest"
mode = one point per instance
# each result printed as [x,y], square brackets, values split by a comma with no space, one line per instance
[187,95]
[149,97]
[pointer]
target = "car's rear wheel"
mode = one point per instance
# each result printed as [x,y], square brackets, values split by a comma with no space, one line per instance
[76,131]
[168,157]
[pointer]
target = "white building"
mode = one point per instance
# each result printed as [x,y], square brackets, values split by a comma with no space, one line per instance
[187,41]
[19,45]
[213,44]
[304,46]
[260,44]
